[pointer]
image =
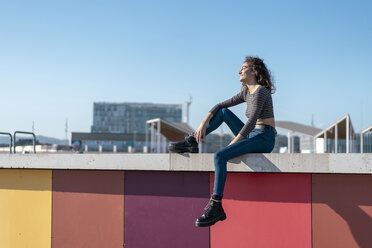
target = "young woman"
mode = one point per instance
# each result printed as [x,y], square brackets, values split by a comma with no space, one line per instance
[257,135]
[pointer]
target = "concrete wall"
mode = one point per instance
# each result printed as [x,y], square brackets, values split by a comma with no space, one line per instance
[157,207]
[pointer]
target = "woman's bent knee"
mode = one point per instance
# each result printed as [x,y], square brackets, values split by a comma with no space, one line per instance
[224,110]
[218,156]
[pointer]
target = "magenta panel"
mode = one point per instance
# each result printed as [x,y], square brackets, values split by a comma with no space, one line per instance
[88,209]
[264,210]
[342,210]
[161,209]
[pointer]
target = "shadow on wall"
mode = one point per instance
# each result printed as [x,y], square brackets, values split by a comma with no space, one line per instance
[163,183]
[79,181]
[344,194]
[20,179]
[257,162]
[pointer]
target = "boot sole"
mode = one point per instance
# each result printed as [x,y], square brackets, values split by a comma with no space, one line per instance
[212,222]
[185,149]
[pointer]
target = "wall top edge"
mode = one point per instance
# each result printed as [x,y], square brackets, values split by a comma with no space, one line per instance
[351,163]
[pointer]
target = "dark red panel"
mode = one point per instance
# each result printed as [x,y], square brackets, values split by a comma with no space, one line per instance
[161,209]
[342,210]
[264,210]
[88,209]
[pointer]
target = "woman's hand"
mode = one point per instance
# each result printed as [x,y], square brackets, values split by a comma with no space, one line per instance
[236,139]
[200,133]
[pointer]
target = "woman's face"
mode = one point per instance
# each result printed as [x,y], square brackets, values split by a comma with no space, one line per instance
[246,73]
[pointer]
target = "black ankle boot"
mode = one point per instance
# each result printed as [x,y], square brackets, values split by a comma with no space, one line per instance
[189,144]
[214,212]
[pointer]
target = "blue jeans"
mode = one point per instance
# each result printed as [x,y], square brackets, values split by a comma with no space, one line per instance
[258,141]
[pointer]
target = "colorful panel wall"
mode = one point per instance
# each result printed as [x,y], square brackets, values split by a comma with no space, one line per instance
[25,208]
[161,209]
[88,209]
[264,210]
[92,208]
[342,210]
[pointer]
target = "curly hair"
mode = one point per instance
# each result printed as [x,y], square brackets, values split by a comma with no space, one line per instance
[263,75]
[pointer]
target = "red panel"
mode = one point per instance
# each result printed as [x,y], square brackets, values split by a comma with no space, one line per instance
[264,210]
[88,209]
[342,210]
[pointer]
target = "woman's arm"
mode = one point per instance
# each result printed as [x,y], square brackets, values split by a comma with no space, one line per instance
[236,139]
[258,101]
[235,100]
[200,132]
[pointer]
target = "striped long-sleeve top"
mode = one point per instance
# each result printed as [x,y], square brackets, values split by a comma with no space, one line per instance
[259,106]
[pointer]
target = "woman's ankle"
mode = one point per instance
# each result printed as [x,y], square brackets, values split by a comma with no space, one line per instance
[217,197]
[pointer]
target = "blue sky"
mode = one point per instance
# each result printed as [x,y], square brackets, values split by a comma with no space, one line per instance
[58,57]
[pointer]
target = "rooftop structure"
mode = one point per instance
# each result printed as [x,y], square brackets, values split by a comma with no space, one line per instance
[362,134]
[162,130]
[306,133]
[338,137]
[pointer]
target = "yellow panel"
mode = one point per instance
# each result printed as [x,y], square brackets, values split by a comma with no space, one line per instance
[25,208]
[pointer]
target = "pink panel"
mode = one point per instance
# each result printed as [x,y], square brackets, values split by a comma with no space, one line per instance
[264,210]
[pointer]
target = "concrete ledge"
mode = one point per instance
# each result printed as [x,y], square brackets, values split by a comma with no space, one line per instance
[255,162]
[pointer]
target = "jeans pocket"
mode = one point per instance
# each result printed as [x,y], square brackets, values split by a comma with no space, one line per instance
[255,132]
[260,131]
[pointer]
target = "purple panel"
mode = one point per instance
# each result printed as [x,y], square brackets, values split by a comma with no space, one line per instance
[161,209]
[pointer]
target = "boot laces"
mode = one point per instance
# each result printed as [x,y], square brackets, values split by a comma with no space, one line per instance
[210,203]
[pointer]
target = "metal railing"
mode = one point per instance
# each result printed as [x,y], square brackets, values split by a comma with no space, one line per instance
[10,140]
[33,141]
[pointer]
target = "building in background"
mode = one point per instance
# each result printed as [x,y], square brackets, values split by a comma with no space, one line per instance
[131,117]
[108,142]
[300,137]
[339,137]
[216,141]
[161,133]
[366,140]
[281,144]
[121,127]
[148,127]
